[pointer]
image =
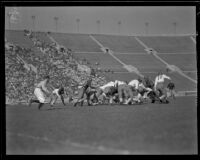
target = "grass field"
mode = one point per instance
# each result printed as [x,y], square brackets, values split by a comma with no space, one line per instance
[137,129]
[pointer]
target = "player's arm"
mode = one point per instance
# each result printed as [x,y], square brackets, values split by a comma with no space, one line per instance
[155,84]
[164,76]
[44,88]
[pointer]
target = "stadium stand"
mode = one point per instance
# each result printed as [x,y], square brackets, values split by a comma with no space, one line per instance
[76,42]
[171,44]
[186,62]
[31,55]
[24,68]
[120,43]
[143,62]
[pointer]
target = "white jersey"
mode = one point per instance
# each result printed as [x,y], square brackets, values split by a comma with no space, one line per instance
[55,91]
[119,82]
[109,84]
[161,78]
[42,85]
[134,83]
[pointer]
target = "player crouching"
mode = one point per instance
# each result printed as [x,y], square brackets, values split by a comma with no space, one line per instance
[57,93]
[83,92]
[40,92]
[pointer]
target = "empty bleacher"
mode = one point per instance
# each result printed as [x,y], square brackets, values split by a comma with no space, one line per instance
[76,42]
[170,44]
[18,37]
[120,43]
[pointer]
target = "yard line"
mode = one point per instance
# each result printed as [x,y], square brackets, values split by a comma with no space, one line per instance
[68,142]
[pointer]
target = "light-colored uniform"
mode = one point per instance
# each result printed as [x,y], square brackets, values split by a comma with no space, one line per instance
[159,83]
[39,91]
[105,88]
[55,92]
[55,96]
[140,88]
[134,83]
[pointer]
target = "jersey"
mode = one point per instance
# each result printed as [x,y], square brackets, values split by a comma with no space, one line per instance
[149,83]
[87,84]
[58,91]
[117,83]
[55,91]
[42,86]
[109,84]
[134,83]
[171,86]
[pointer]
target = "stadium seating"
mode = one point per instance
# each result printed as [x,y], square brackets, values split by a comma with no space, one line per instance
[38,50]
[179,44]
[143,62]
[76,42]
[186,62]
[120,43]
[60,66]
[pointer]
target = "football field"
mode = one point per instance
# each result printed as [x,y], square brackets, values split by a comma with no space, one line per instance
[103,129]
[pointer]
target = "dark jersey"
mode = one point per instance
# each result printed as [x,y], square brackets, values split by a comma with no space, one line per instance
[149,83]
[61,91]
[171,85]
[113,90]
[87,84]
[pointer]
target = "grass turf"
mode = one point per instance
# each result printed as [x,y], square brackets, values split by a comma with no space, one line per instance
[138,129]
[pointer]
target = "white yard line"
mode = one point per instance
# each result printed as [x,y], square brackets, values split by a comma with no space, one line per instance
[68,142]
[194,40]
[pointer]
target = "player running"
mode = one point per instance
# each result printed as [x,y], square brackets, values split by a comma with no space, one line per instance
[57,93]
[40,92]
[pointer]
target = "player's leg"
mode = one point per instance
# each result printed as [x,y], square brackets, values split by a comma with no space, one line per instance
[31,100]
[80,96]
[55,97]
[40,96]
[130,95]
[120,92]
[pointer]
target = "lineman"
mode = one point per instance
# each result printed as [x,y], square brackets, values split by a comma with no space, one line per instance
[159,85]
[105,91]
